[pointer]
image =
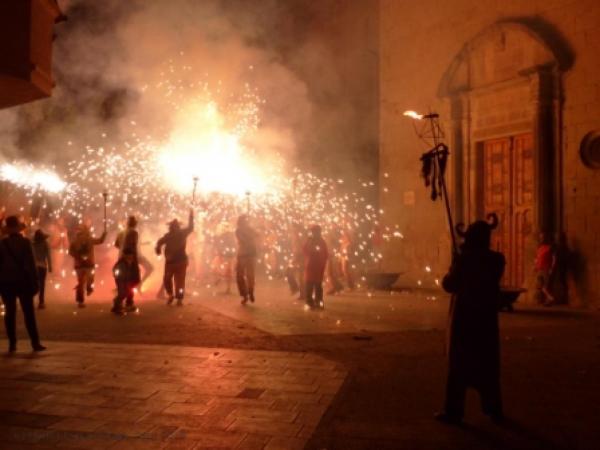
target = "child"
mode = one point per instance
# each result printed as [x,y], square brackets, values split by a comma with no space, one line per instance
[127,277]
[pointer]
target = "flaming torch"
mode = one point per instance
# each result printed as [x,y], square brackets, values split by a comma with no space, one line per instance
[434,162]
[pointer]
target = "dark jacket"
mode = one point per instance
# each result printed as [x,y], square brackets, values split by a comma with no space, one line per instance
[127,242]
[246,237]
[17,264]
[474,345]
[174,242]
[41,253]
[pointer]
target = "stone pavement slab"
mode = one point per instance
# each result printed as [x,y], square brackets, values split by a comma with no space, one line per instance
[92,395]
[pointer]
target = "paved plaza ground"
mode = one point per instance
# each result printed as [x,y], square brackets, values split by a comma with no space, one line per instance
[365,373]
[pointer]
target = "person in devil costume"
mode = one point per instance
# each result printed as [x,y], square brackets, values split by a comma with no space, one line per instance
[474,343]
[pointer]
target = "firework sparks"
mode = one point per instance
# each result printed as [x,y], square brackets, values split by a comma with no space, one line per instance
[31,178]
[151,176]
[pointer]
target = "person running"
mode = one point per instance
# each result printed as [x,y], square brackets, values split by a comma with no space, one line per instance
[127,276]
[18,279]
[315,256]
[176,259]
[82,251]
[246,258]
[43,263]
[127,242]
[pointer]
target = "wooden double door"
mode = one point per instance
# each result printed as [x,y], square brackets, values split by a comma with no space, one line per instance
[508,183]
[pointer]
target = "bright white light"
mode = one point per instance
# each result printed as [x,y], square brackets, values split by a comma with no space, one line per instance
[201,146]
[27,176]
[414,115]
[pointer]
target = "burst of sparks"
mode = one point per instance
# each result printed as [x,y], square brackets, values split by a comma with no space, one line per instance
[29,177]
[151,176]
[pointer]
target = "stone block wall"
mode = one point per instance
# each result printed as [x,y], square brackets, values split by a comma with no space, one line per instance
[418,43]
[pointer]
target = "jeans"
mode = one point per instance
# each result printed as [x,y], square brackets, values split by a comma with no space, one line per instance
[175,272]
[244,271]
[9,297]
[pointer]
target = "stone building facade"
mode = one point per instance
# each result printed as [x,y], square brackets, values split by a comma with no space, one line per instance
[517,87]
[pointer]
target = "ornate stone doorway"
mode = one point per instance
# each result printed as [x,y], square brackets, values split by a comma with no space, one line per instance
[504,95]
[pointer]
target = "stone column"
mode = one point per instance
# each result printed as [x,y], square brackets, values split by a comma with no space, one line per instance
[542,93]
[457,159]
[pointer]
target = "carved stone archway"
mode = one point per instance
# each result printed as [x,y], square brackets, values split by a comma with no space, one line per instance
[505,86]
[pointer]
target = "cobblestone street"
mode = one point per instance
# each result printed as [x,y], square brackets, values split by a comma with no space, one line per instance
[365,373]
[140,396]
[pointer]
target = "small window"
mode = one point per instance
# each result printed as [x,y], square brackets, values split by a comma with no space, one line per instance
[589,150]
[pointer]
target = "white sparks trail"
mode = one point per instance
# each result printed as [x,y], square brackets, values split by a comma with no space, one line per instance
[29,177]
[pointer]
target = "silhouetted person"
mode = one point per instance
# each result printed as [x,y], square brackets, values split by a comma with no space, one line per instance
[474,346]
[295,272]
[334,268]
[246,258]
[18,279]
[225,249]
[129,277]
[43,263]
[82,251]
[315,257]
[176,260]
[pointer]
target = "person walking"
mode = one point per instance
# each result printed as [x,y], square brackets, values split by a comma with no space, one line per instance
[43,263]
[246,258]
[225,254]
[18,280]
[474,343]
[82,251]
[315,256]
[176,259]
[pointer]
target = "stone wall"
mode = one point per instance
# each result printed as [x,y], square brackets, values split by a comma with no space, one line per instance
[419,42]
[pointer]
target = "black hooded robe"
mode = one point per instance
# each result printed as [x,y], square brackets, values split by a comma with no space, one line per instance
[474,343]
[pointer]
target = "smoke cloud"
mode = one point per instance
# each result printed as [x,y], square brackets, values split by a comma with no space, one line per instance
[109,52]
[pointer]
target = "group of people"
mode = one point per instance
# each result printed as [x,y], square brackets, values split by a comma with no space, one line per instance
[473,280]
[25,263]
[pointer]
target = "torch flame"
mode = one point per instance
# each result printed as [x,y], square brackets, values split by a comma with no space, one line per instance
[414,115]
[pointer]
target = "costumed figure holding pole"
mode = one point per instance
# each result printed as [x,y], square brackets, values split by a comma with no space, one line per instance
[473,345]
[82,251]
[176,259]
[127,270]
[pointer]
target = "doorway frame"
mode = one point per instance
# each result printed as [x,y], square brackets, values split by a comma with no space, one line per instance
[544,103]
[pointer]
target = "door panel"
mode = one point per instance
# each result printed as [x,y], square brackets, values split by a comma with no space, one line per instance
[508,191]
[496,189]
